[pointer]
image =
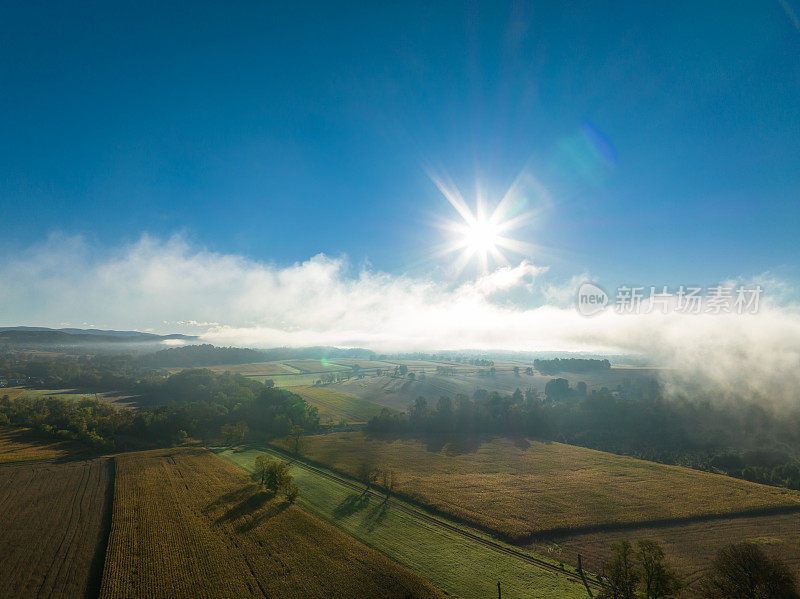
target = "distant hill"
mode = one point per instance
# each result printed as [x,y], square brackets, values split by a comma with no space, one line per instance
[44,338]
[99,332]
[189,356]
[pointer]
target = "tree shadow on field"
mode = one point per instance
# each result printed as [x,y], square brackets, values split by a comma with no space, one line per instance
[521,443]
[246,507]
[234,497]
[376,516]
[350,505]
[453,445]
[262,516]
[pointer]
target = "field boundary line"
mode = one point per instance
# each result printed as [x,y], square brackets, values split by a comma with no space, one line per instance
[435,520]
[556,533]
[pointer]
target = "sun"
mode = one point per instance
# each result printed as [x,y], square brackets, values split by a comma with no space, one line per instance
[482,235]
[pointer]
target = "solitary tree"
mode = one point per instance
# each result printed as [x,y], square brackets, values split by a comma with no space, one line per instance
[389,481]
[621,574]
[275,477]
[744,571]
[367,472]
[658,578]
[295,437]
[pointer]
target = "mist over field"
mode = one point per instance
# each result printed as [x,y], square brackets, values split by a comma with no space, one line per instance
[400,300]
[171,285]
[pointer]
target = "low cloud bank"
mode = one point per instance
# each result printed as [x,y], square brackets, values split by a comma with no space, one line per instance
[169,286]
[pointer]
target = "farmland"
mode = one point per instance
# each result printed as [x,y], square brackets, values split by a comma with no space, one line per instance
[188,524]
[522,490]
[398,393]
[68,394]
[455,564]
[290,381]
[313,366]
[52,527]
[256,368]
[690,547]
[20,445]
[337,406]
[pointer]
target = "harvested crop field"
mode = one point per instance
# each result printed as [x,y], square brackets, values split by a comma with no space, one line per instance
[53,526]
[691,547]
[11,392]
[332,404]
[525,489]
[22,445]
[189,524]
[316,366]
[256,368]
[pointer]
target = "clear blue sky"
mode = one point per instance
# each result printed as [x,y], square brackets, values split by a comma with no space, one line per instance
[280,130]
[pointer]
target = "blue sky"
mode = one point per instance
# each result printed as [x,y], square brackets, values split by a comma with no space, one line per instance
[665,134]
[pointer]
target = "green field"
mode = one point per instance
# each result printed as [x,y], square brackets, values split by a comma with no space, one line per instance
[337,406]
[316,365]
[68,394]
[456,565]
[256,368]
[524,489]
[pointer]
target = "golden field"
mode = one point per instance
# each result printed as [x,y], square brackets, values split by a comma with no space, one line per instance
[22,445]
[189,524]
[335,405]
[53,527]
[523,490]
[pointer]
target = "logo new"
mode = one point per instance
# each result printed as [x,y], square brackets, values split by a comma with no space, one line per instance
[591,299]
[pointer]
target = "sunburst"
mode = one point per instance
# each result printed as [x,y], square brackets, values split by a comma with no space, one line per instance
[481,234]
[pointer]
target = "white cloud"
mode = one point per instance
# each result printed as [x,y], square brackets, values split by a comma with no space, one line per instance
[152,283]
[507,277]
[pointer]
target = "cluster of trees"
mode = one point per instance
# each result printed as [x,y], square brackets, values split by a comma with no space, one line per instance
[194,403]
[745,570]
[401,370]
[369,472]
[97,372]
[739,571]
[332,377]
[578,365]
[476,361]
[275,478]
[199,355]
[642,572]
[746,441]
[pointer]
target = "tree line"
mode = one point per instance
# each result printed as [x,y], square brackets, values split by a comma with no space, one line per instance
[197,404]
[577,365]
[742,440]
[739,571]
